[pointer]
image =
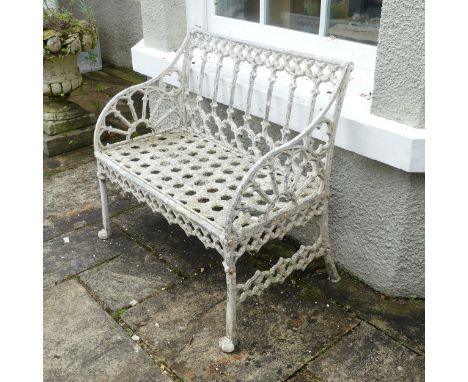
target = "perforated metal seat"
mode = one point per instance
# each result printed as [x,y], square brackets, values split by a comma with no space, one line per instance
[200,175]
[232,182]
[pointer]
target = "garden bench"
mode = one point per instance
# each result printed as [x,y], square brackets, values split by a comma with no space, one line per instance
[208,145]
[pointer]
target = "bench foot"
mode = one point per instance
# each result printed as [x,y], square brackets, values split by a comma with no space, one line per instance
[104,234]
[226,345]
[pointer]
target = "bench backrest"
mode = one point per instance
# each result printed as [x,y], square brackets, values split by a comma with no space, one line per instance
[254,98]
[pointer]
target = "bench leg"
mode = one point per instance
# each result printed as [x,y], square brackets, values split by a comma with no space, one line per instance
[106,232]
[228,343]
[333,275]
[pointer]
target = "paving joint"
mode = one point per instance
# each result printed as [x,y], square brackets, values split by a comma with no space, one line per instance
[150,250]
[93,222]
[130,332]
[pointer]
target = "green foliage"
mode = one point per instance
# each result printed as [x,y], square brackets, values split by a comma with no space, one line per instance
[86,10]
[312,8]
[91,57]
[100,87]
[70,35]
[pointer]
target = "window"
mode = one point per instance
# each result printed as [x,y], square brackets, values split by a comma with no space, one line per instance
[355,20]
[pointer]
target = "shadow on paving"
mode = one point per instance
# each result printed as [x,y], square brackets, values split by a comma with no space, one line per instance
[403,319]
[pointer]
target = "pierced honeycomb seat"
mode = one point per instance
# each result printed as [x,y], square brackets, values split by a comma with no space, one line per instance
[231,182]
[198,174]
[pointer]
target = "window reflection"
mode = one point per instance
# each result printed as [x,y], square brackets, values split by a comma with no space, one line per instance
[357,20]
[248,10]
[301,15]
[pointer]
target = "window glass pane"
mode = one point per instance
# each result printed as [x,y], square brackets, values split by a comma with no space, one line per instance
[239,9]
[357,20]
[301,15]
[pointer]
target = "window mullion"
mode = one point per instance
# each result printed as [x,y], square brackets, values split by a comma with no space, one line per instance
[325,6]
[264,11]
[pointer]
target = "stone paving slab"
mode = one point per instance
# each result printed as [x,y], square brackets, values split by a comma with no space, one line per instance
[186,254]
[132,276]
[83,343]
[68,161]
[72,200]
[278,334]
[304,375]
[84,249]
[403,319]
[164,321]
[368,355]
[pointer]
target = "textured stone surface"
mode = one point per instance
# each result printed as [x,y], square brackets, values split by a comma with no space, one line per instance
[83,250]
[119,28]
[71,200]
[278,333]
[165,320]
[67,161]
[83,343]
[67,141]
[164,23]
[399,71]
[58,127]
[379,359]
[186,254]
[377,224]
[304,375]
[133,276]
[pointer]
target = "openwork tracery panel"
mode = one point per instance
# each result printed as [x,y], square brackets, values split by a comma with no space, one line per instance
[219,59]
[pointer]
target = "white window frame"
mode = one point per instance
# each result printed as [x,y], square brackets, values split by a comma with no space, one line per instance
[362,55]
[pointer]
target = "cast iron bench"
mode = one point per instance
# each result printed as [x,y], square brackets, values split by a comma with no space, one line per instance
[208,145]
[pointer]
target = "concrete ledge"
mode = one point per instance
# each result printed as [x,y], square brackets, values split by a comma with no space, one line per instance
[377,138]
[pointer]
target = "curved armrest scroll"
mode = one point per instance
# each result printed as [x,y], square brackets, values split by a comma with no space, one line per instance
[128,113]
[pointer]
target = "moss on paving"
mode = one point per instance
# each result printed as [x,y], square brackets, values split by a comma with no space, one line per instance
[125,74]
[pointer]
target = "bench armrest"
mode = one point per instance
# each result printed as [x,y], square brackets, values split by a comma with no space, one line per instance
[290,174]
[145,108]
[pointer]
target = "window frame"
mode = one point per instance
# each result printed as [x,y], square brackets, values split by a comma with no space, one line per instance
[362,55]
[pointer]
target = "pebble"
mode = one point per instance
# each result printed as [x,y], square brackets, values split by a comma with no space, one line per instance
[135,337]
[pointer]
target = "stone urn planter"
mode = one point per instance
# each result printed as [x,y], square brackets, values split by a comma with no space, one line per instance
[60,77]
[66,125]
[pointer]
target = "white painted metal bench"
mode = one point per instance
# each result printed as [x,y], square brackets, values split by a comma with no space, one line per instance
[198,145]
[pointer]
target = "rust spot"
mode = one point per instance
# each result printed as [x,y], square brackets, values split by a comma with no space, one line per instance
[220,366]
[76,211]
[297,322]
[181,368]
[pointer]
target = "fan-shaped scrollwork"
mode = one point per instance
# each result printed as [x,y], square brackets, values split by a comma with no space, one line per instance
[151,107]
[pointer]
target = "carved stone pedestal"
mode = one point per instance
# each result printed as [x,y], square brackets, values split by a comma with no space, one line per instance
[66,125]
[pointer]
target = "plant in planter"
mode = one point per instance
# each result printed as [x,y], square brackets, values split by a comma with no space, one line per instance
[64,37]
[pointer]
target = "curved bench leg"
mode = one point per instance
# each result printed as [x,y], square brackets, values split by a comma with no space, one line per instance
[228,343]
[106,232]
[333,275]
